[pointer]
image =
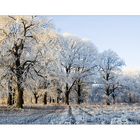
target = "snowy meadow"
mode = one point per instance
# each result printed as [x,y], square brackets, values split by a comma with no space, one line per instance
[72,115]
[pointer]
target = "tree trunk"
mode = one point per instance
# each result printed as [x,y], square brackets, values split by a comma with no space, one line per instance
[36,98]
[130,98]
[20,97]
[53,100]
[79,93]
[67,98]
[58,100]
[114,99]
[14,96]
[9,101]
[107,91]
[107,100]
[67,95]
[45,98]
[19,77]
[50,99]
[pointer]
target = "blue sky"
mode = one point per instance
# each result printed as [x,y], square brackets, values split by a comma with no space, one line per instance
[119,33]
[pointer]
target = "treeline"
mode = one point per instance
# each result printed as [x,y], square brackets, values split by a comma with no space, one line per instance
[37,61]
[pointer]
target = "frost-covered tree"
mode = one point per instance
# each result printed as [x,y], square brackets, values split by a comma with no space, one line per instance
[68,55]
[33,57]
[110,65]
[20,40]
[46,67]
[7,75]
[85,68]
[77,59]
[130,88]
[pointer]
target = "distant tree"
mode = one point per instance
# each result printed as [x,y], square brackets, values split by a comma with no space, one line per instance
[78,63]
[36,96]
[68,55]
[85,68]
[130,87]
[45,98]
[109,67]
[10,93]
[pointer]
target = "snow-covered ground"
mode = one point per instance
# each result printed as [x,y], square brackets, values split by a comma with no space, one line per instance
[109,115]
[85,114]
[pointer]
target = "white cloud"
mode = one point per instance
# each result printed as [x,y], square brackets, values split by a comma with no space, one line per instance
[131,71]
[67,34]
